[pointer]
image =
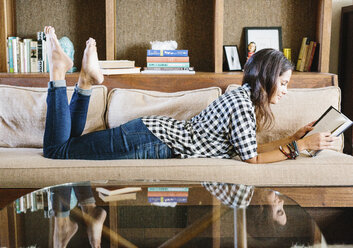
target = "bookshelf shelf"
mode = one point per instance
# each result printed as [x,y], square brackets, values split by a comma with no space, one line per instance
[123,31]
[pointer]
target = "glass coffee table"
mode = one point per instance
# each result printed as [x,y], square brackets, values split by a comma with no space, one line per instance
[156,214]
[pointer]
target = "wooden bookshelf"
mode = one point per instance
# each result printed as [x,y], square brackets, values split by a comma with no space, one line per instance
[203,27]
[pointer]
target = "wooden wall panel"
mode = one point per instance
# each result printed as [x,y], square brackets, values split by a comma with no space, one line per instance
[189,22]
[76,19]
[297,18]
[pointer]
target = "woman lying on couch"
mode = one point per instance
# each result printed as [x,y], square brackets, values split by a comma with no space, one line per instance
[226,128]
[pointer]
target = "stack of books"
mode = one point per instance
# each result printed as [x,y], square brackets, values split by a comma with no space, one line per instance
[113,67]
[167,194]
[27,55]
[308,55]
[128,193]
[168,62]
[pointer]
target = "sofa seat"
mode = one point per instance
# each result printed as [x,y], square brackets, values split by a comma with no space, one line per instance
[27,168]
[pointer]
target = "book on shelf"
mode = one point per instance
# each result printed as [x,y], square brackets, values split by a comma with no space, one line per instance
[118,191]
[119,197]
[305,54]
[41,52]
[27,52]
[120,71]
[168,199]
[168,72]
[167,53]
[332,121]
[168,193]
[311,53]
[315,63]
[185,189]
[166,59]
[168,68]
[176,64]
[113,64]
[10,53]
[301,53]
[34,56]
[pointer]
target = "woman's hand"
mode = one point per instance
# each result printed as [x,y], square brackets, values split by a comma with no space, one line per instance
[317,141]
[302,131]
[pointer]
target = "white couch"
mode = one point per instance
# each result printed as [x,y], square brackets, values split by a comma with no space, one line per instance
[22,117]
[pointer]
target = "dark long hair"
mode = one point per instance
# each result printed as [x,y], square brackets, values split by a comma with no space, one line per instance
[261,72]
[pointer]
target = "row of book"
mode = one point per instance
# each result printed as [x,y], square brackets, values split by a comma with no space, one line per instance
[168,62]
[114,67]
[168,194]
[308,55]
[35,201]
[27,55]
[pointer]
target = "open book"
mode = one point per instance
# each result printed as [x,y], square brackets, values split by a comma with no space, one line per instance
[331,121]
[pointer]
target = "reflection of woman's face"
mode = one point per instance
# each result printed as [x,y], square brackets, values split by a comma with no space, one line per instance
[277,208]
[251,47]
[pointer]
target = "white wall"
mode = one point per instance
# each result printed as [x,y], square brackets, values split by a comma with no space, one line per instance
[335,33]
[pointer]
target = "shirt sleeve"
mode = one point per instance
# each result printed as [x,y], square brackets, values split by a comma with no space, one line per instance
[243,130]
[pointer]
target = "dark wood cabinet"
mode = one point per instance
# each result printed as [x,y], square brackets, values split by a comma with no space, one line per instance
[345,71]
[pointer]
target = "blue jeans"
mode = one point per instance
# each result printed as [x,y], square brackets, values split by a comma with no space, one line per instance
[65,123]
[63,140]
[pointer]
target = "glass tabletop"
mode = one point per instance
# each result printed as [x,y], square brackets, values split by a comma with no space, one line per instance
[156,214]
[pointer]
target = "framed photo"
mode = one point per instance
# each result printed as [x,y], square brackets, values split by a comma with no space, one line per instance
[257,38]
[232,62]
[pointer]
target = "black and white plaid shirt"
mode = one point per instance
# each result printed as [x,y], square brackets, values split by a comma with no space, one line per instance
[226,128]
[231,195]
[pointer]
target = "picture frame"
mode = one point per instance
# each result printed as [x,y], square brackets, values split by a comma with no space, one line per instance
[232,61]
[257,38]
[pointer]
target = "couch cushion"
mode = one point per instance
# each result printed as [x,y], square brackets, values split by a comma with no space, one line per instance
[27,168]
[23,112]
[127,104]
[298,108]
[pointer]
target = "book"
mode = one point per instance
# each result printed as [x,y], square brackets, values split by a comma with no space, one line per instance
[107,64]
[41,51]
[168,199]
[118,191]
[34,56]
[120,71]
[308,55]
[168,193]
[15,53]
[10,53]
[167,72]
[22,58]
[305,54]
[167,59]
[167,53]
[315,62]
[168,189]
[332,121]
[301,52]
[312,56]
[169,68]
[27,52]
[181,64]
[120,197]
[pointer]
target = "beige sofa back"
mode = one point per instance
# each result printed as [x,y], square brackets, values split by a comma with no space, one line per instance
[23,111]
[298,108]
[22,118]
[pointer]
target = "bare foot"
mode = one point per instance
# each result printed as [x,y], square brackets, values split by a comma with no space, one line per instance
[59,62]
[94,218]
[90,72]
[64,230]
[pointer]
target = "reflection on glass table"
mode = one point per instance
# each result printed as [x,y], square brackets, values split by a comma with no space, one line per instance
[156,214]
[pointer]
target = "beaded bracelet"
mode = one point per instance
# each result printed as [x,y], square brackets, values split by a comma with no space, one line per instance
[293,150]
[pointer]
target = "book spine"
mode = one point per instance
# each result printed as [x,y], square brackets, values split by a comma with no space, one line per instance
[184,65]
[14,55]
[22,58]
[10,54]
[168,189]
[305,53]
[168,193]
[168,199]
[167,59]
[34,56]
[40,37]
[27,51]
[169,68]
[308,55]
[301,52]
[312,56]
[167,53]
